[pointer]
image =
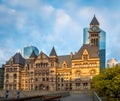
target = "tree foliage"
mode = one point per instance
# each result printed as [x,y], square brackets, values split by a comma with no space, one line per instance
[108,82]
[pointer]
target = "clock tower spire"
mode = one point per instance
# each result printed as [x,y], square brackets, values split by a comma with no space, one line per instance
[94,32]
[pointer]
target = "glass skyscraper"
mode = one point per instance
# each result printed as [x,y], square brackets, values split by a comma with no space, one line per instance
[85,36]
[27,51]
[102,47]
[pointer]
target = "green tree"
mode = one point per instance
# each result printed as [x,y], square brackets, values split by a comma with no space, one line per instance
[108,82]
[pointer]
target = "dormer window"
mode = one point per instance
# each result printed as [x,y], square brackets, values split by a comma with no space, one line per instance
[85,57]
[64,64]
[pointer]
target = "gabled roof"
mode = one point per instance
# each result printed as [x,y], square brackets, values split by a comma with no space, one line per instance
[94,21]
[42,55]
[63,58]
[53,52]
[92,50]
[33,55]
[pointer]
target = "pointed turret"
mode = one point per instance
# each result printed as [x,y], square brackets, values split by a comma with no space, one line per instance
[53,52]
[33,55]
[53,58]
[94,21]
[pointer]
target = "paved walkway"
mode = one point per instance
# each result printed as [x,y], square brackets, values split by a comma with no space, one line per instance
[78,97]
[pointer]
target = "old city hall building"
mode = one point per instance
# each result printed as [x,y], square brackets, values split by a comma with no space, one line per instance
[53,72]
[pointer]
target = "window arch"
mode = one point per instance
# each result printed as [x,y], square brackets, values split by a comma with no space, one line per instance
[14,76]
[96,41]
[64,64]
[85,55]
[7,76]
[92,41]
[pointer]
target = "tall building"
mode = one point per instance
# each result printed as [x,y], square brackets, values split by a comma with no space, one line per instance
[27,50]
[53,72]
[86,35]
[102,45]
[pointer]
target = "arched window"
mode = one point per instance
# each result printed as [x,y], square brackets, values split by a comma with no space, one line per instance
[64,64]
[85,57]
[92,41]
[7,76]
[14,76]
[52,64]
[62,79]
[97,42]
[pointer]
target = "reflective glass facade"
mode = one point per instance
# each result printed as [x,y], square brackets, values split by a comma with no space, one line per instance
[102,47]
[85,36]
[26,51]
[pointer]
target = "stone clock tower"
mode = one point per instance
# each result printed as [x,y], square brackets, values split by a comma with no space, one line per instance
[94,32]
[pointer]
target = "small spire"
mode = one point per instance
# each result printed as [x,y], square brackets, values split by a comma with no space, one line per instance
[53,52]
[94,21]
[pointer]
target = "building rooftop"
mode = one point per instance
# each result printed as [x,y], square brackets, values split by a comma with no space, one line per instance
[92,50]
[94,21]
[53,52]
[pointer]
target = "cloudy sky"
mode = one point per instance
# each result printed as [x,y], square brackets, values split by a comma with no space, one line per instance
[58,23]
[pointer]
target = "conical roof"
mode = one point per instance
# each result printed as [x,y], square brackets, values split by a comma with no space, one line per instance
[94,21]
[53,52]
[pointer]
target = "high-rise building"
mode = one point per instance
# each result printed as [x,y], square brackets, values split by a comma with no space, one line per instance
[86,35]
[102,45]
[27,50]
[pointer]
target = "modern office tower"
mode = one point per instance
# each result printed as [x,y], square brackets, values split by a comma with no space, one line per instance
[102,45]
[27,51]
[102,52]
[86,36]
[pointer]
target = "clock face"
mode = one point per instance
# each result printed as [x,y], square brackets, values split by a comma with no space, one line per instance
[94,28]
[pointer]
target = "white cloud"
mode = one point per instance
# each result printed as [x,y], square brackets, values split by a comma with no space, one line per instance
[47,10]
[2,55]
[35,34]
[62,20]
[66,24]
[86,12]
[21,20]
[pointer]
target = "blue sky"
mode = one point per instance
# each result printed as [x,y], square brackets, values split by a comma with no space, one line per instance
[58,23]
